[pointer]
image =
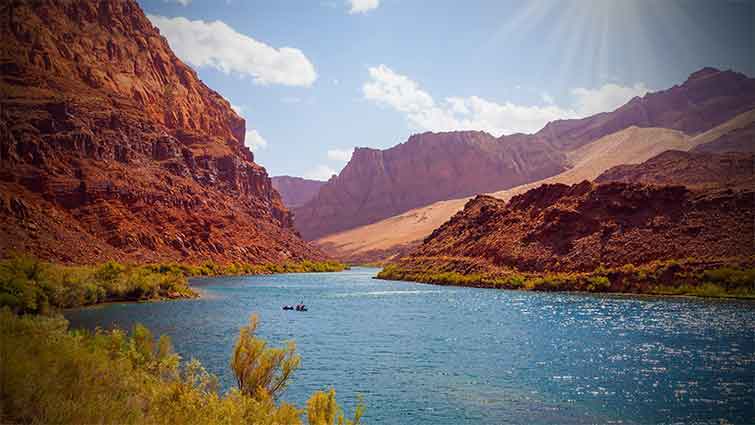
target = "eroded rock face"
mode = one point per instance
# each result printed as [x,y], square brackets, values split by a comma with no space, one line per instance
[430,167]
[560,228]
[111,147]
[296,191]
[693,169]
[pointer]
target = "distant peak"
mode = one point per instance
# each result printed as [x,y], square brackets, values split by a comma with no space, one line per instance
[703,73]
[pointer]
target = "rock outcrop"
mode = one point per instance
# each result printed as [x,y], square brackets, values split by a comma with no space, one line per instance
[377,184]
[730,170]
[560,228]
[111,147]
[296,191]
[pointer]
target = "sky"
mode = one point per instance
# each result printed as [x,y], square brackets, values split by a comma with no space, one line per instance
[316,78]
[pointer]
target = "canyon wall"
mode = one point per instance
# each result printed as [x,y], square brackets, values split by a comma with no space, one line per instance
[112,148]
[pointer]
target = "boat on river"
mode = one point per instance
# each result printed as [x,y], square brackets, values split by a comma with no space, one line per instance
[299,307]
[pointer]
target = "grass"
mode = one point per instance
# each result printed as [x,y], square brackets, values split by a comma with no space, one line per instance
[659,278]
[28,285]
[54,375]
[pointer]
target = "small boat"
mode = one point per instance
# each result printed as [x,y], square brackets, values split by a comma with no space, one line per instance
[297,308]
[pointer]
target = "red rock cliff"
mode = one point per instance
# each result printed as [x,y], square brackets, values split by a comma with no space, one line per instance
[296,191]
[111,147]
[557,228]
[428,167]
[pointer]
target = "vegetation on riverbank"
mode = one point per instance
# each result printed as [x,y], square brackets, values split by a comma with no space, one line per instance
[214,269]
[54,375]
[658,278]
[28,285]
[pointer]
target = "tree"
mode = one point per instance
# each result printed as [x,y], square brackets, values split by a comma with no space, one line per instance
[260,370]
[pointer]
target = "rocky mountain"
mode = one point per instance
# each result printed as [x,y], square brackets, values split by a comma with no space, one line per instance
[296,191]
[692,169]
[111,147]
[707,98]
[396,235]
[433,167]
[426,168]
[739,140]
[561,228]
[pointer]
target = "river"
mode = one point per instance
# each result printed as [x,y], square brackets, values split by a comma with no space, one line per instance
[425,354]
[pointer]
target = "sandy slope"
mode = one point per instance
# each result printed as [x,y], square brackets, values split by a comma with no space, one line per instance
[740,121]
[633,145]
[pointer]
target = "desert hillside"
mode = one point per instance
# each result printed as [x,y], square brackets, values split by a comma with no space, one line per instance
[580,228]
[730,170]
[387,238]
[435,167]
[112,148]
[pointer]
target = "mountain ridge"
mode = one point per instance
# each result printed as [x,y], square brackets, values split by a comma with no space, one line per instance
[397,235]
[112,148]
[376,184]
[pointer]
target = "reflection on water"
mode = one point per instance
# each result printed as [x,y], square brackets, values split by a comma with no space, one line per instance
[445,355]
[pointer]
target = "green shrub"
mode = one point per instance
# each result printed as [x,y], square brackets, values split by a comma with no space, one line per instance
[674,277]
[730,277]
[598,283]
[52,375]
[28,285]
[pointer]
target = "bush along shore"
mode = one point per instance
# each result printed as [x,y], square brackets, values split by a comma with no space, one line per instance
[55,375]
[28,285]
[724,279]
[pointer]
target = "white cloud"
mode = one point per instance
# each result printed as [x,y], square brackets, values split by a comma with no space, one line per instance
[362,6]
[547,98]
[399,92]
[219,46]
[606,98]
[321,172]
[343,155]
[254,140]
[181,2]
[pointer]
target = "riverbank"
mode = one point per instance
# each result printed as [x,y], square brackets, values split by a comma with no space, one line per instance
[28,285]
[724,278]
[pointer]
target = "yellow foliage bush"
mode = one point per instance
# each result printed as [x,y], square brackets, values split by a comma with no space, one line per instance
[53,375]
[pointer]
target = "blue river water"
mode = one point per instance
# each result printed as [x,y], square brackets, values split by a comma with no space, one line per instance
[425,354]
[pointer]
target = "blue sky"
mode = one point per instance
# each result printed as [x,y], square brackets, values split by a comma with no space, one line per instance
[316,78]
